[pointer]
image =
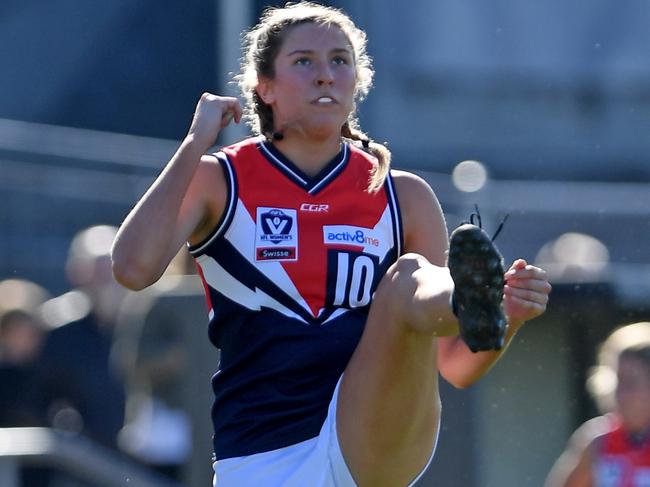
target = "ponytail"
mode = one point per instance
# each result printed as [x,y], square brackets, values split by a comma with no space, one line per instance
[379,151]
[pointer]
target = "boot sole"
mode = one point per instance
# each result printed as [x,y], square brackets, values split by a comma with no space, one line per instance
[476,266]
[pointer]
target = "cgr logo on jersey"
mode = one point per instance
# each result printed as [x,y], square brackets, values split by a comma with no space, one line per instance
[276,234]
[313,208]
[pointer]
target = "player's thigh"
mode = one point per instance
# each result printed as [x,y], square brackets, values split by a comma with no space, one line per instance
[388,406]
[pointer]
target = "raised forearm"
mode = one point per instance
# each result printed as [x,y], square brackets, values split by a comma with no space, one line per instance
[147,238]
[175,205]
[462,368]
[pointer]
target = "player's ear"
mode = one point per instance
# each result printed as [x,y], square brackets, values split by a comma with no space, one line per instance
[265,90]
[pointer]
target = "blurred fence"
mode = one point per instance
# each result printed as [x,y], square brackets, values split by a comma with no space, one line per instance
[56,180]
[71,457]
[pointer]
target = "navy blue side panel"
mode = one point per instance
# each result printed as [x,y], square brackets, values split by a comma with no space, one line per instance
[276,390]
[395,214]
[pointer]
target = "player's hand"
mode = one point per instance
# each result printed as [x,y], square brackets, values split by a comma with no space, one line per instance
[525,292]
[212,114]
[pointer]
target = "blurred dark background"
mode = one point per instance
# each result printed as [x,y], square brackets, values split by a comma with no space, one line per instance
[547,107]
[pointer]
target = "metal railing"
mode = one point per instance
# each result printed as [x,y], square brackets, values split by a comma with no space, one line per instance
[77,456]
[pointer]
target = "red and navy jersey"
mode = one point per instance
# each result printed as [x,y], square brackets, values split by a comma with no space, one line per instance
[289,275]
[621,460]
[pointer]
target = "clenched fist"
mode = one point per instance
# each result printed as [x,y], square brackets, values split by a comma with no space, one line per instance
[212,114]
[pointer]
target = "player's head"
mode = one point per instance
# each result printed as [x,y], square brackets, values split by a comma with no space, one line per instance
[264,42]
[89,255]
[21,294]
[270,113]
[624,351]
[633,386]
[21,329]
[89,267]
[21,335]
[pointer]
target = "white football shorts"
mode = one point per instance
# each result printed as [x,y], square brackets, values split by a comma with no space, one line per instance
[317,462]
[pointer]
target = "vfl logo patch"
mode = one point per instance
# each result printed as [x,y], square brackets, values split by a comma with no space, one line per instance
[276,225]
[276,234]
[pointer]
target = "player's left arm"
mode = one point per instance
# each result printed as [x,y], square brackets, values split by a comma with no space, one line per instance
[574,468]
[425,233]
[525,296]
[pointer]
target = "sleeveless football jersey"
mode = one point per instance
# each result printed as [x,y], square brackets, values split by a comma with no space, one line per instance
[622,461]
[289,275]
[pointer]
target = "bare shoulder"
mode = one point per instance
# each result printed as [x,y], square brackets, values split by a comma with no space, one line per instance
[574,467]
[425,231]
[414,194]
[210,179]
[583,446]
[590,432]
[209,186]
[410,186]
[210,164]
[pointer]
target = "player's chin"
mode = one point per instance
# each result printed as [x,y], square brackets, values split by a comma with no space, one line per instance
[324,127]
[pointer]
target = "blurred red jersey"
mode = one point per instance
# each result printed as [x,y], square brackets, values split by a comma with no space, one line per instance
[622,460]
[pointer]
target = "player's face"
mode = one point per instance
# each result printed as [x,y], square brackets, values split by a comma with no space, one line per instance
[314,81]
[633,393]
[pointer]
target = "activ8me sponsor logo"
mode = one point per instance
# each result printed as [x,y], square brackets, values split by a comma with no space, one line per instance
[350,236]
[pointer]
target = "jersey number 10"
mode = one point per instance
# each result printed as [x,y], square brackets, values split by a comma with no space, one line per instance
[350,278]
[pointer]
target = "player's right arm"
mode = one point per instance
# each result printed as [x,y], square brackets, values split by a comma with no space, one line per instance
[574,468]
[183,204]
[580,474]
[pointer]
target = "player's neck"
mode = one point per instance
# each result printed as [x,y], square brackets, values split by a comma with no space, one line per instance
[309,155]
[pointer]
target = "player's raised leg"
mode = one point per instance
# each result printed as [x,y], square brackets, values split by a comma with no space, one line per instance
[388,407]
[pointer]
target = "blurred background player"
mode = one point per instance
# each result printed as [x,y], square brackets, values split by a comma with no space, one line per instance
[151,349]
[613,450]
[21,338]
[80,388]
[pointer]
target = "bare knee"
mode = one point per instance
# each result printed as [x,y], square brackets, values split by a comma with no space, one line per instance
[398,285]
[415,294]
